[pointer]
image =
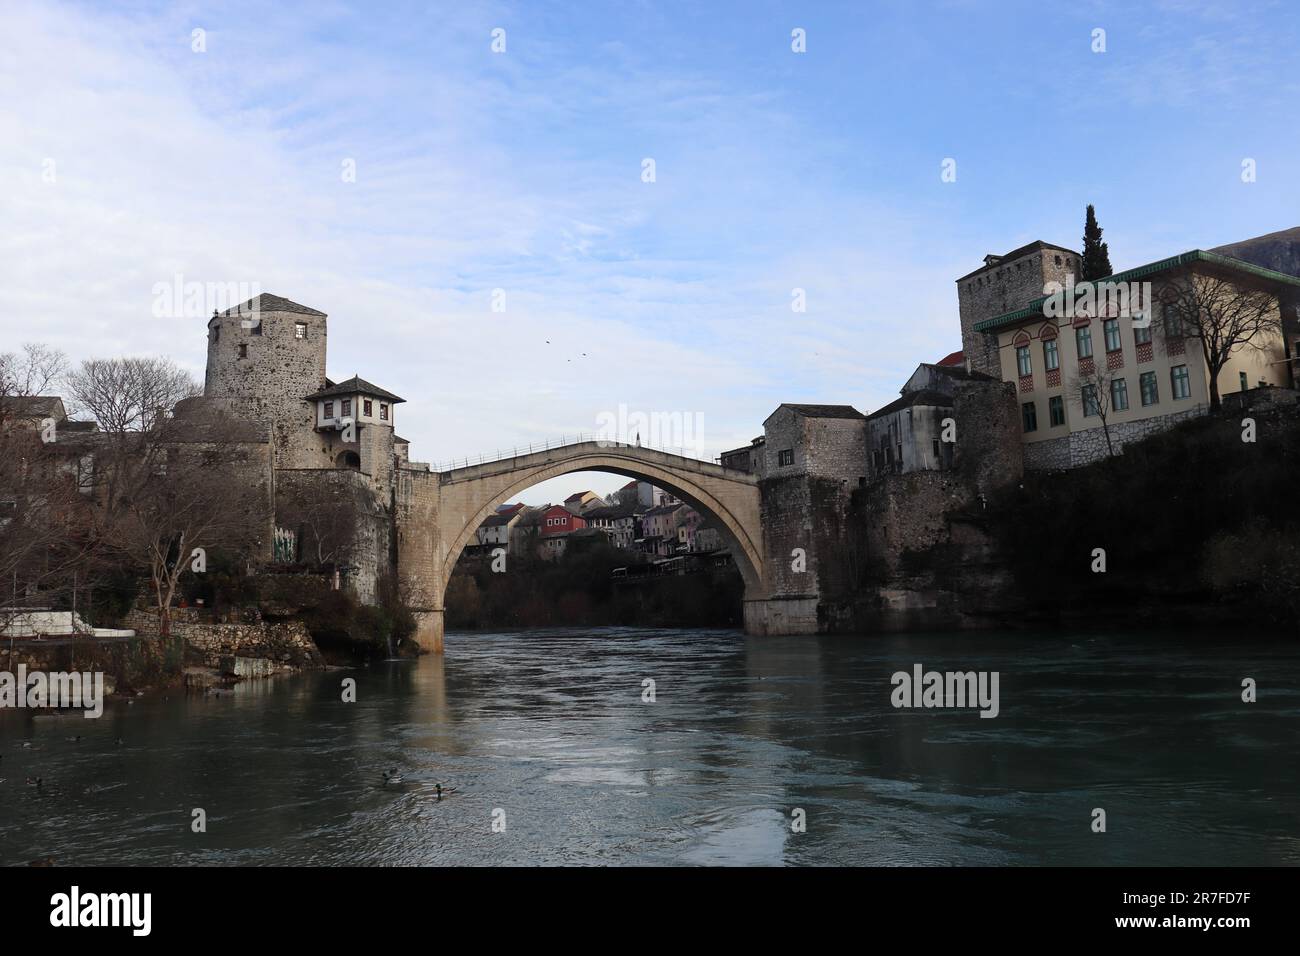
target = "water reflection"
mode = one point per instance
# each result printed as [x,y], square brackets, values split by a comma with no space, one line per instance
[549,731]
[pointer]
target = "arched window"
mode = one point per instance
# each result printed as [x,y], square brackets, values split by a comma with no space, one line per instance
[1024,365]
[348,459]
[1051,355]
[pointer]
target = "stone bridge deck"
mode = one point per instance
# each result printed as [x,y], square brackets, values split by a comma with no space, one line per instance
[563,453]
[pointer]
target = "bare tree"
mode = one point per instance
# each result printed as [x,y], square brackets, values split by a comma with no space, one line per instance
[31,371]
[131,400]
[1220,314]
[163,486]
[126,395]
[325,521]
[46,531]
[188,502]
[42,516]
[1092,391]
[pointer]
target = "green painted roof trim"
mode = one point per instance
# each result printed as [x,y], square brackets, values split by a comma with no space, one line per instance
[1035,308]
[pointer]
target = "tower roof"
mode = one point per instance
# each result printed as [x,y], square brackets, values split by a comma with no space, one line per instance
[820,411]
[266,302]
[354,386]
[991,261]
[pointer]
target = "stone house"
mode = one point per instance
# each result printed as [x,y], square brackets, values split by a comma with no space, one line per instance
[745,458]
[495,531]
[1153,379]
[620,522]
[908,433]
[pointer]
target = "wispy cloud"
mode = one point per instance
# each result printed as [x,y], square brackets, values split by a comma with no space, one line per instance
[522,172]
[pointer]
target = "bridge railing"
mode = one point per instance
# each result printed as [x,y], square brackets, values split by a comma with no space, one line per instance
[564,441]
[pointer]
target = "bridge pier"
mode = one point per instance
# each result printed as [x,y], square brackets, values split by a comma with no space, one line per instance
[781,614]
[429,630]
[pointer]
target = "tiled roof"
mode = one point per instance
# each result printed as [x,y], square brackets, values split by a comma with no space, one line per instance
[1015,254]
[924,396]
[822,411]
[32,406]
[959,372]
[266,302]
[953,358]
[354,386]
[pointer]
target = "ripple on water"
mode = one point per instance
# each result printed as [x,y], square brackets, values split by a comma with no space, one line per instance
[549,730]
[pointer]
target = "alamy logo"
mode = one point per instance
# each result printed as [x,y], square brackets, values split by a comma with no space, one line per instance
[103,909]
[180,299]
[675,430]
[950,689]
[58,689]
[1100,299]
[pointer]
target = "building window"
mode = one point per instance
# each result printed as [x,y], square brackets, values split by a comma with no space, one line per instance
[785,457]
[1118,395]
[1111,330]
[1150,388]
[1029,416]
[256,329]
[1141,333]
[243,351]
[347,407]
[1182,384]
[1023,365]
[216,335]
[367,408]
[1245,382]
[1083,340]
[329,409]
[1090,406]
[1056,409]
[300,330]
[936,451]
[1051,355]
[383,412]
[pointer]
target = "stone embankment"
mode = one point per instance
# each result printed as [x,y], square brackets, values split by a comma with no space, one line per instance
[221,651]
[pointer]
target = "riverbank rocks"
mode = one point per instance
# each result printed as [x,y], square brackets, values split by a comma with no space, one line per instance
[234,649]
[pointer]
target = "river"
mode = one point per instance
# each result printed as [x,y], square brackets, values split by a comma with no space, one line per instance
[557,758]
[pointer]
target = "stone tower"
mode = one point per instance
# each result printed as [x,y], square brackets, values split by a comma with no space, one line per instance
[1004,284]
[264,358]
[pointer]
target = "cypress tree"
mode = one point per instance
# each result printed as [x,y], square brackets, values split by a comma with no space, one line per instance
[1096,255]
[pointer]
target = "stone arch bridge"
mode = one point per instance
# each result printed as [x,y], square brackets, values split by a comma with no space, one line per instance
[438,514]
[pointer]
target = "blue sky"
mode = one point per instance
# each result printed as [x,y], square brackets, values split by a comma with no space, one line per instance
[521,171]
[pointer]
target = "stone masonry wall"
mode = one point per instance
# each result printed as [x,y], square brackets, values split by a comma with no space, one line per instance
[270,383]
[420,563]
[989,451]
[1001,288]
[372,549]
[216,645]
[1084,447]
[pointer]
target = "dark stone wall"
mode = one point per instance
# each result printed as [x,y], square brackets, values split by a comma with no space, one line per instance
[1005,287]
[268,384]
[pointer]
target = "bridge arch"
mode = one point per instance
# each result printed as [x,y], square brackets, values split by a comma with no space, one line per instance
[467,496]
